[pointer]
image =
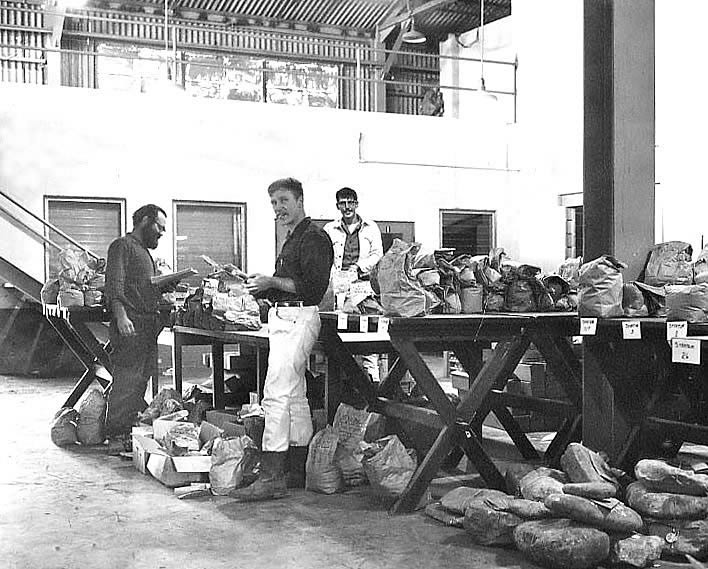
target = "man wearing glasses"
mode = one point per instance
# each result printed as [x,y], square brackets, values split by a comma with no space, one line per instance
[135,322]
[357,247]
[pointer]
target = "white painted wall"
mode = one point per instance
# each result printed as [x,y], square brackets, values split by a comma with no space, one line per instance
[73,142]
[681,122]
[546,143]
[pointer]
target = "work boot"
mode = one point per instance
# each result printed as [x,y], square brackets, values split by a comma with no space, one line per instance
[269,485]
[295,467]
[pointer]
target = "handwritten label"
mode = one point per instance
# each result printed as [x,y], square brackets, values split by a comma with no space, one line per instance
[588,326]
[685,351]
[383,325]
[342,321]
[363,324]
[676,330]
[631,330]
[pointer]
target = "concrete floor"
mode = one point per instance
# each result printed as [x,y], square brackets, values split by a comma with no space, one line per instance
[72,509]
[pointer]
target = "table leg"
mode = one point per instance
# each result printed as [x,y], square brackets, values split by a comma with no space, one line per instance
[217,359]
[177,343]
[390,386]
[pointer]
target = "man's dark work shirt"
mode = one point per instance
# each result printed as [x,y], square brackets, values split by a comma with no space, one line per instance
[306,258]
[128,271]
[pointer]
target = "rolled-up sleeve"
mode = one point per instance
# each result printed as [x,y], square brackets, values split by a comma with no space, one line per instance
[116,270]
[316,262]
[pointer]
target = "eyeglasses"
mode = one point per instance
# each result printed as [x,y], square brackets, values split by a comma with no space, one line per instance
[160,227]
[345,203]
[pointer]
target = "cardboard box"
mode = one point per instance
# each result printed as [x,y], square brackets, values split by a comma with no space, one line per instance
[142,448]
[174,471]
[161,426]
[218,417]
[233,429]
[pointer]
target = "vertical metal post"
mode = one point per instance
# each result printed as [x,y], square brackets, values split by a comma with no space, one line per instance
[516,69]
[358,79]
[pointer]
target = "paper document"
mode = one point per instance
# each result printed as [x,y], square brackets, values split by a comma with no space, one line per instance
[162,280]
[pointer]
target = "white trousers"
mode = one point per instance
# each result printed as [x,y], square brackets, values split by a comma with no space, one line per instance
[292,333]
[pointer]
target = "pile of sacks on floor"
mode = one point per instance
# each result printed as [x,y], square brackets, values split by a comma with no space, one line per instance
[221,303]
[80,281]
[411,283]
[671,285]
[351,452]
[582,515]
[86,425]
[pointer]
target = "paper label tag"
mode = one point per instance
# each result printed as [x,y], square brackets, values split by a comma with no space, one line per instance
[631,330]
[685,351]
[676,330]
[342,321]
[383,325]
[588,326]
[363,324]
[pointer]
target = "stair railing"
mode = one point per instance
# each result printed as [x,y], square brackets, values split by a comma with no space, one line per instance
[46,224]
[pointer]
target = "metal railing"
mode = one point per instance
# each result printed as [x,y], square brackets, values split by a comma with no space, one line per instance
[366,78]
[17,221]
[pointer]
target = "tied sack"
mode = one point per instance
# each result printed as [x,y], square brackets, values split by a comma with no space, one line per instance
[92,416]
[388,466]
[601,288]
[321,473]
[669,263]
[700,267]
[63,431]
[401,294]
[231,464]
[687,302]
[350,425]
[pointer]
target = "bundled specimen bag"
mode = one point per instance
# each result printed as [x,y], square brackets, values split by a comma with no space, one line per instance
[601,288]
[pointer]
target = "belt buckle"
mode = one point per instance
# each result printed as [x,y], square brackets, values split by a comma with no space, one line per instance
[289,304]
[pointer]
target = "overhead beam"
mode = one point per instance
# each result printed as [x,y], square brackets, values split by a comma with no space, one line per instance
[391,59]
[402,17]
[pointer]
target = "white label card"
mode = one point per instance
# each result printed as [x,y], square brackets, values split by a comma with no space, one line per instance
[363,324]
[383,325]
[588,326]
[676,330]
[342,321]
[631,330]
[685,351]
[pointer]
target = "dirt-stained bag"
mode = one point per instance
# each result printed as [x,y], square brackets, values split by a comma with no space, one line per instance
[669,263]
[63,430]
[389,466]
[350,425]
[230,460]
[401,294]
[633,301]
[321,473]
[700,267]
[92,416]
[687,302]
[600,287]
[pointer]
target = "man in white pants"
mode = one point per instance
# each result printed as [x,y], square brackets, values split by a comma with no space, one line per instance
[358,248]
[297,286]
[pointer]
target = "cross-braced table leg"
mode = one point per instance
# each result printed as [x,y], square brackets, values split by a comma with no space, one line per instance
[456,430]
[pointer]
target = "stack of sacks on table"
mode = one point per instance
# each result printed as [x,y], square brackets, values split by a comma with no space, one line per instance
[413,283]
[574,518]
[671,286]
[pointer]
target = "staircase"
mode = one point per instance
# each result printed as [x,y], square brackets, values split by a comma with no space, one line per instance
[30,341]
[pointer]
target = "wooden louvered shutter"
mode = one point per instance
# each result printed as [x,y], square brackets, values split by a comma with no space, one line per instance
[94,224]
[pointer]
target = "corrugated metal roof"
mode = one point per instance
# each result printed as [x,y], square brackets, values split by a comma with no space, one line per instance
[454,16]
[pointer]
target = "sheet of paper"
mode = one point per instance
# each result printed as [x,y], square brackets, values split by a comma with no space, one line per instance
[685,351]
[631,330]
[588,326]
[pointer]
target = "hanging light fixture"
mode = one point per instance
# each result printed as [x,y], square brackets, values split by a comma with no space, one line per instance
[411,35]
[482,86]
